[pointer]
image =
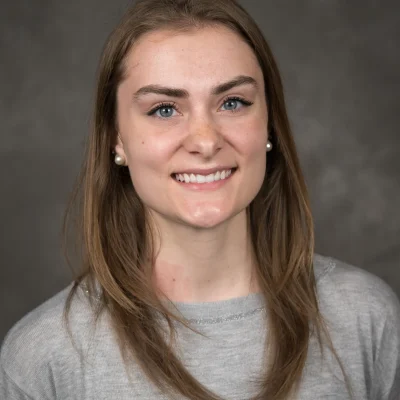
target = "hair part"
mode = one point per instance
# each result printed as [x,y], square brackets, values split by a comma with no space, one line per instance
[109,210]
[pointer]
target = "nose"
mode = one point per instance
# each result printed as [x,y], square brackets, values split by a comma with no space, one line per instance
[204,139]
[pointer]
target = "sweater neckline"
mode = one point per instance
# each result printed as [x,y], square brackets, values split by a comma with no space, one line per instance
[207,313]
[213,312]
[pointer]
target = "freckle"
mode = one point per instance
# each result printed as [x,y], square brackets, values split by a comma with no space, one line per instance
[174,279]
[142,142]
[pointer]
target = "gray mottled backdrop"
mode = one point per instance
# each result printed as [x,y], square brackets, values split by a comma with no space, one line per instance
[340,64]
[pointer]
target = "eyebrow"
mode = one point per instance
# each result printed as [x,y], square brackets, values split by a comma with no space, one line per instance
[182,93]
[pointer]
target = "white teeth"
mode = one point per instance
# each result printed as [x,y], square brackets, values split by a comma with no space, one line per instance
[192,178]
[210,178]
[200,178]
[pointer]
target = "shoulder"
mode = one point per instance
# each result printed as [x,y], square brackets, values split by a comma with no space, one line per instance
[363,315]
[40,338]
[352,289]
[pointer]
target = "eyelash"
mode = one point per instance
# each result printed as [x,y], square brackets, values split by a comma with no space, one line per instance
[246,103]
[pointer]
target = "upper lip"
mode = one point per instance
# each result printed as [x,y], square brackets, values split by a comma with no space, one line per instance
[206,171]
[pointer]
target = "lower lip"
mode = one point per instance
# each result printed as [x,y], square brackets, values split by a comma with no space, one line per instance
[207,185]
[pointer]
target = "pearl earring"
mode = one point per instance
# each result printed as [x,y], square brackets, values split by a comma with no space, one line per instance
[119,160]
[269,146]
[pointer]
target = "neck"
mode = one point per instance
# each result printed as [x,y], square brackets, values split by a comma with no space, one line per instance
[202,265]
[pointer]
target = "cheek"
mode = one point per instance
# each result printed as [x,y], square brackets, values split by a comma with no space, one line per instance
[251,144]
[145,174]
[147,161]
[149,152]
[251,138]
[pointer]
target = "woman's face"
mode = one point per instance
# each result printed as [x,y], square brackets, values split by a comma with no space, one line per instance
[199,132]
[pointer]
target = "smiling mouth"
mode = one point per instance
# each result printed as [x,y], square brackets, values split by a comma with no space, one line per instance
[198,178]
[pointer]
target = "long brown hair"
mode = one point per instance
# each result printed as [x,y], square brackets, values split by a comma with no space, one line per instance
[109,211]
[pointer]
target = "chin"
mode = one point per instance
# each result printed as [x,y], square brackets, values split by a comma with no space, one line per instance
[207,220]
[205,224]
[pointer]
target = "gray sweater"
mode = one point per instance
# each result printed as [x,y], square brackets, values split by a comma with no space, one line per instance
[38,361]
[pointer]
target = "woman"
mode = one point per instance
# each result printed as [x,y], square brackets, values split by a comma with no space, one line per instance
[199,275]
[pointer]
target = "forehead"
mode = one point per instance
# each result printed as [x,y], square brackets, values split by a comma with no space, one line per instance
[206,54]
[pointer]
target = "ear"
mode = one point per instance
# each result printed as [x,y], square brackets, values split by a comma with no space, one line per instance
[119,147]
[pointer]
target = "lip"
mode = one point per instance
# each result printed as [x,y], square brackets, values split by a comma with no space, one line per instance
[202,171]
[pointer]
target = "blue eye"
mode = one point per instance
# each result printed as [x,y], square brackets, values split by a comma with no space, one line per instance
[162,107]
[235,100]
[172,106]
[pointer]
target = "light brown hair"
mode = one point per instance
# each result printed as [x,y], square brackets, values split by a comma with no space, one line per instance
[109,211]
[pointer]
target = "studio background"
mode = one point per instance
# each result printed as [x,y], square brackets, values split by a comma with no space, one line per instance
[340,65]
